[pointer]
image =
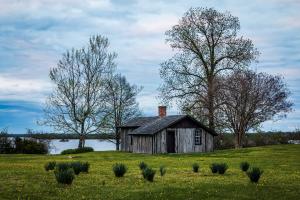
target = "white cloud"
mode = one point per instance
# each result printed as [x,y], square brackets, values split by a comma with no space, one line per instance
[23,89]
[42,8]
[152,24]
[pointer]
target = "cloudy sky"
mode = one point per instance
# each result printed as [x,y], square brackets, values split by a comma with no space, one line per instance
[35,33]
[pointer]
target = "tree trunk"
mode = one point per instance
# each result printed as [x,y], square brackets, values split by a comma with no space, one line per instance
[81,142]
[117,144]
[81,137]
[117,140]
[211,121]
[238,140]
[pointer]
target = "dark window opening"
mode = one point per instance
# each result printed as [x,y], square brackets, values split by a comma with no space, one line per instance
[131,142]
[197,137]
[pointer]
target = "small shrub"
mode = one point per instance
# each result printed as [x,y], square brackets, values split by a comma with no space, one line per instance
[214,167]
[244,166]
[222,167]
[85,166]
[78,150]
[142,165]
[195,167]
[254,174]
[50,166]
[30,146]
[63,166]
[76,166]
[84,150]
[119,169]
[162,170]
[64,176]
[148,174]
[6,143]
[68,151]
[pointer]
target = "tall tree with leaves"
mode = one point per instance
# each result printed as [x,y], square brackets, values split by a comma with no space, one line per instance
[250,99]
[122,104]
[207,46]
[77,103]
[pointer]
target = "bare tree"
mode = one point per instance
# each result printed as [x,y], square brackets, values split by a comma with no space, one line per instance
[252,98]
[77,103]
[206,45]
[122,104]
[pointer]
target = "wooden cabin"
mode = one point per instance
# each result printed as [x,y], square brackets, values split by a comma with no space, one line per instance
[166,134]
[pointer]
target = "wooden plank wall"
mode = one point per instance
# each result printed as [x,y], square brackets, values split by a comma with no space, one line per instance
[160,142]
[209,142]
[184,142]
[142,144]
[125,139]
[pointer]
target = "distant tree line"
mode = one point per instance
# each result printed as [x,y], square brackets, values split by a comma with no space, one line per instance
[227,140]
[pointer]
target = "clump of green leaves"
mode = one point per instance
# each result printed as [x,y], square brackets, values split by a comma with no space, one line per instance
[254,174]
[63,166]
[119,169]
[143,165]
[195,167]
[214,168]
[50,165]
[244,166]
[85,166]
[218,168]
[162,170]
[76,151]
[148,174]
[222,167]
[76,166]
[64,176]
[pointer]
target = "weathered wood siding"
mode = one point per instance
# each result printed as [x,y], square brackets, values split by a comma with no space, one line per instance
[184,141]
[142,144]
[160,142]
[209,142]
[126,139]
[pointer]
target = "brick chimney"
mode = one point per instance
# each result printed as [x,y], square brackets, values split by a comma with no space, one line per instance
[162,111]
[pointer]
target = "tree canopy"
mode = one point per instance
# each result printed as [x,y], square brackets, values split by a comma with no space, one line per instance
[206,45]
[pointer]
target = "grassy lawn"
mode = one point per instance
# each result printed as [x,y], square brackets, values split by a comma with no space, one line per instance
[23,176]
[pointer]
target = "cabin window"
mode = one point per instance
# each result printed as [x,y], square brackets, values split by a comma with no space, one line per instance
[197,138]
[131,140]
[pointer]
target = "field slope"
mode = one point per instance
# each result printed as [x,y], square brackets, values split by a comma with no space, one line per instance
[23,176]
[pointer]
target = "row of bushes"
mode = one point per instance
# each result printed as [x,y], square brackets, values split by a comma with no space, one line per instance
[214,167]
[65,172]
[22,145]
[78,150]
[148,173]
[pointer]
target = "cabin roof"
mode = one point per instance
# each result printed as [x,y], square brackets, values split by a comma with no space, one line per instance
[138,122]
[152,125]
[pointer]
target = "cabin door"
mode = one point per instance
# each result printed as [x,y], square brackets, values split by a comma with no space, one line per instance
[171,141]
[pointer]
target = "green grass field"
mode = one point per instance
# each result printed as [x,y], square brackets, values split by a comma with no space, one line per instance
[23,176]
